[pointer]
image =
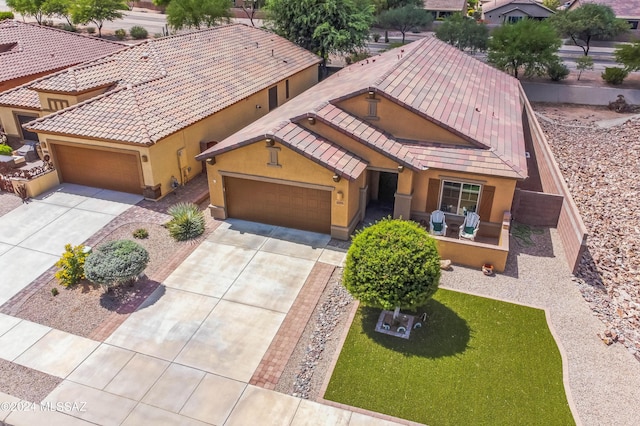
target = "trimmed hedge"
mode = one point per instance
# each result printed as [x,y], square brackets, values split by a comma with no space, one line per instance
[5,149]
[116,262]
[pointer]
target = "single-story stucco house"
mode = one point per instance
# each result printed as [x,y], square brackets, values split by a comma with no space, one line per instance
[134,120]
[425,126]
[510,11]
[441,9]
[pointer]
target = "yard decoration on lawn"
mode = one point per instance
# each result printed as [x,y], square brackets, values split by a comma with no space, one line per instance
[393,264]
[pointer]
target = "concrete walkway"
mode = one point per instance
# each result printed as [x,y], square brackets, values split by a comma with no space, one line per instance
[187,354]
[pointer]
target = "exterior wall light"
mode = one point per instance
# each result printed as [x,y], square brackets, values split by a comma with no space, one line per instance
[211,161]
[311,120]
[372,94]
[270,142]
[144,158]
[339,196]
[400,169]
[336,178]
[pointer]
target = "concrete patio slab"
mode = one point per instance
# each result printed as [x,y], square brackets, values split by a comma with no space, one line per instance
[24,221]
[174,387]
[7,322]
[100,407]
[67,195]
[147,415]
[5,248]
[311,413]
[44,416]
[164,323]
[20,338]
[110,202]
[358,419]
[232,340]
[264,407]
[210,269]
[20,266]
[137,377]
[101,366]
[240,233]
[213,399]
[296,243]
[73,227]
[58,353]
[333,256]
[270,281]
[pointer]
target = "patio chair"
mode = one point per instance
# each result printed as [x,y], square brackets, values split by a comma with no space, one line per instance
[469,227]
[437,223]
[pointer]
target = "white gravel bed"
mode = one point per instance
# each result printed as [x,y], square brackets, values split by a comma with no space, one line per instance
[25,383]
[604,381]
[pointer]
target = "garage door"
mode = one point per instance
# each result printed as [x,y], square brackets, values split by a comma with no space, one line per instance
[276,204]
[101,169]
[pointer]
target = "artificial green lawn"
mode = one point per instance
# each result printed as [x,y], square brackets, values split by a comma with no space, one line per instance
[476,361]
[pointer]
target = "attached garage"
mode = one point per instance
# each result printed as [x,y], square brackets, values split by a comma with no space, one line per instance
[279,204]
[108,169]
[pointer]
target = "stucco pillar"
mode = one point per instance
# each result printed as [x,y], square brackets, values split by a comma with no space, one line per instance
[374,184]
[402,206]
[364,192]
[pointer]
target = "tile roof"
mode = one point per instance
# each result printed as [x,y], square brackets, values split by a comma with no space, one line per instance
[488,7]
[432,79]
[29,49]
[20,97]
[444,5]
[167,84]
[622,8]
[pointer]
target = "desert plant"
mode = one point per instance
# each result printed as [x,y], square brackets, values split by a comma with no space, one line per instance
[584,63]
[5,149]
[70,28]
[138,32]
[187,222]
[120,34]
[614,75]
[557,71]
[116,262]
[6,15]
[140,234]
[91,30]
[71,265]
[392,264]
[54,292]
[376,37]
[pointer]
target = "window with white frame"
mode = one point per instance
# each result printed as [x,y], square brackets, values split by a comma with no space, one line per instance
[459,197]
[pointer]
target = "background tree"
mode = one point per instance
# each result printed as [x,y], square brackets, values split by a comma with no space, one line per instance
[587,22]
[58,8]
[464,33]
[629,55]
[322,26]
[250,7]
[197,13]
[97,12]
[584,63]
[393,264]
[527,44]
[405,19]
[551,4]
[28,8]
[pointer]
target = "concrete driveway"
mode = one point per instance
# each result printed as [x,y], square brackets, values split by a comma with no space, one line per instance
[33,236]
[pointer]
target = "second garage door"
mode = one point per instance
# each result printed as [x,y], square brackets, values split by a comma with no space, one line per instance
[98,168]
[277,204]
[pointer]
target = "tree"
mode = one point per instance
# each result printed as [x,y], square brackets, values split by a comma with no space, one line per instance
[405,18]
[527,44]
[250,7]
[28,8]
[196,13]
[464,33]
[322,26]
[58,8]
[116,262]
[97,11]
[587,22]
[629,55]
[584,63]
[392,264]
[551,4]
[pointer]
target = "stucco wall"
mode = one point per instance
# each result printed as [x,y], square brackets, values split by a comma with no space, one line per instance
[8,119]
[501,14]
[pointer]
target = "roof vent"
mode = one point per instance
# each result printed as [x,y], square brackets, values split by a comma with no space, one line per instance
[145,55]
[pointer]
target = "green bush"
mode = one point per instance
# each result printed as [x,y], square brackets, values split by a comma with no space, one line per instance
[138,33]
[69,28]
[557,71]
[140,234]
[187,222]
[120,34]
[393,263]
[116,262]
[614,75]
[71,265]
[376,37]
[6,15]
[91,30]
[5,149]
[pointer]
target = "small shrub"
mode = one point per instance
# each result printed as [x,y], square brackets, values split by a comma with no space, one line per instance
[71,265]
[140,234]
[376,37]
[91,30]
[187,222]
[557,71]
[614,75]
[54,292]
[138,32]
[5,149]
[6,15]
[115,263]
[584,63]
[120,34]
[158,35]
[69,28]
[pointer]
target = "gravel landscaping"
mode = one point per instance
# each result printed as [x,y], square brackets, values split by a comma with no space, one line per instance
[26,383]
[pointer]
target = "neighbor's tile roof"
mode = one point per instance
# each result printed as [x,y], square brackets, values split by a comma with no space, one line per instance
[164,85]
[20,97]
[444,5]
[432,79]
[622,8]
[29,49]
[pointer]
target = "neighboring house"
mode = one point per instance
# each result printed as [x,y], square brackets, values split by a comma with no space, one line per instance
[29,51]
[134,121]
[424,127]
[623,9]
[444,8]
[500,11]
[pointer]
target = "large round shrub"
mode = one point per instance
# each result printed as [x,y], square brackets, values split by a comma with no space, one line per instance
[116,262]
[138,32]
[392,264]
[187,222]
